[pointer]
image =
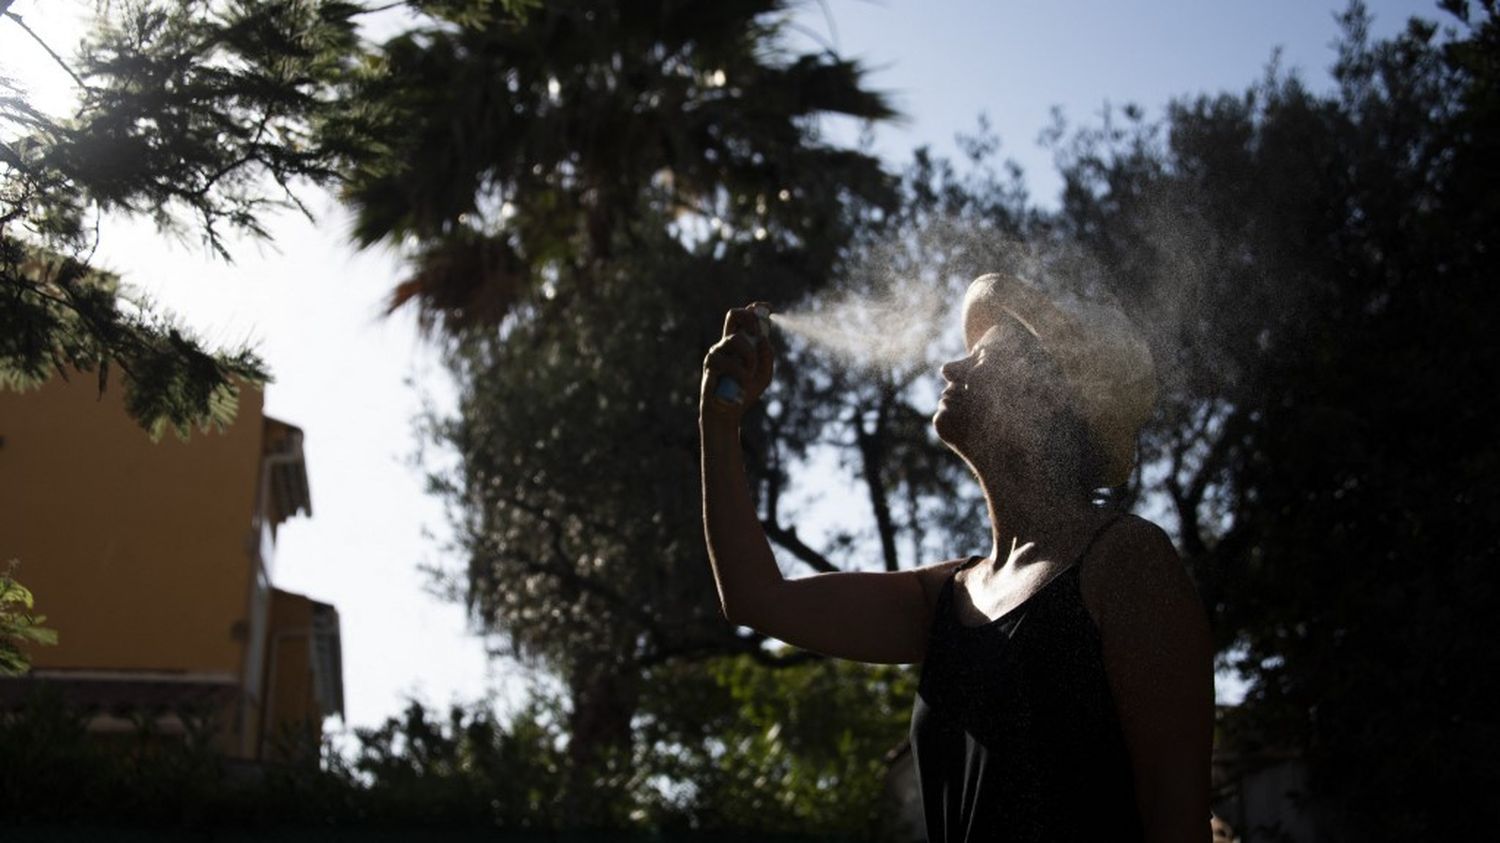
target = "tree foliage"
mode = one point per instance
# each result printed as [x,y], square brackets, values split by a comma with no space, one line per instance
[585,189]
[1310,269]
[739,746]
[1317,270]
[505,149]
[733,760]
[460,769]
[201,116]
[582,188]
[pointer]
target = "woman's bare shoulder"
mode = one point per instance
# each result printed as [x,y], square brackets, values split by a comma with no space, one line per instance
[933,576]
[1132,537]
[1134,560]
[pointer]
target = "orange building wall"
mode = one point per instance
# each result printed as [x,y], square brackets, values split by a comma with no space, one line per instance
[101,536]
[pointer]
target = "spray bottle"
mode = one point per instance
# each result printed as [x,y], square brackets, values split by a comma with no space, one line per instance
[728,389]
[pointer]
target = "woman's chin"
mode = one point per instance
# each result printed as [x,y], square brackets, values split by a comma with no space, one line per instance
[946,425]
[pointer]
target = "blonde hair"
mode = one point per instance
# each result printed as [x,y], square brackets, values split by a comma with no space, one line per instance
[1103,360]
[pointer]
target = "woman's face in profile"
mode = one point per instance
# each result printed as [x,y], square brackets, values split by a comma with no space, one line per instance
[1000,392]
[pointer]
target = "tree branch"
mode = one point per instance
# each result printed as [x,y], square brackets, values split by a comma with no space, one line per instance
[787,538]
[792,659]
[1229,432]
[750,645]
[572,578]
[385,8]
[253,155]
[661,650]
[112,349]
[872,454]
[38,39]
[1188,530]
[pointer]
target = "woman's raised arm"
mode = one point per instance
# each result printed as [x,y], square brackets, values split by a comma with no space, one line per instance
[871,617]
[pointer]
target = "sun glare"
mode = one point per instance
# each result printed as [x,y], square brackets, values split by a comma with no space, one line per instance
[27,67]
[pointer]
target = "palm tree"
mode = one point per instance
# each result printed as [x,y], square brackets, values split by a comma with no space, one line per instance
[534,165]
[498,146]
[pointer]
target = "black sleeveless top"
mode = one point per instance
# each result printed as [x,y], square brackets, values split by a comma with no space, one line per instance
[1014,730]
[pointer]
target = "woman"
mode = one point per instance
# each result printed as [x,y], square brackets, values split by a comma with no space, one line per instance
[1067,677]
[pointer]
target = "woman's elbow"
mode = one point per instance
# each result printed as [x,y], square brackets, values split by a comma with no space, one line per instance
[745,607]
[730,614]
[738,612]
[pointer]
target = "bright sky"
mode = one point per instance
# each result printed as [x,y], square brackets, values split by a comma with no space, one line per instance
[354,380]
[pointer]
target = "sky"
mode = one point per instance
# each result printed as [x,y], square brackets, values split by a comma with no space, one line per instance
[355,380]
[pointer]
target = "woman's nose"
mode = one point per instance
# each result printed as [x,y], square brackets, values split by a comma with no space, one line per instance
[950,370]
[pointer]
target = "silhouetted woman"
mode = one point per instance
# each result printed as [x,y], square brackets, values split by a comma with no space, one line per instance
[1066,690]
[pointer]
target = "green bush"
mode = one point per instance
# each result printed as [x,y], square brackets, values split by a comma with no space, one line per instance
[18,626]
[724,746]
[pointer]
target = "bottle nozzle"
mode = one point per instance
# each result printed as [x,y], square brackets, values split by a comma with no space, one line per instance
[728,389]
[763,315]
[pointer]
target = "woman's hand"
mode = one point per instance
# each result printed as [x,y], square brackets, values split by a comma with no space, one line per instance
[743,354]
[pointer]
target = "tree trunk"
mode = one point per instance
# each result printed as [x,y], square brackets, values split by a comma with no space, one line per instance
[872,458]
[605,694]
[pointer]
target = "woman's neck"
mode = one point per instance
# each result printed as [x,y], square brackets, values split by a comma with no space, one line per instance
[1031,518]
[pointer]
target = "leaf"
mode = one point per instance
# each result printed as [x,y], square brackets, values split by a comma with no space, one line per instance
[12,661]
[36,634]
[13,592]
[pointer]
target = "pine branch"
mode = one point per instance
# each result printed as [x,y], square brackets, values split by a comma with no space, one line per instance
[38,39]
[64,316]
[70,302]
